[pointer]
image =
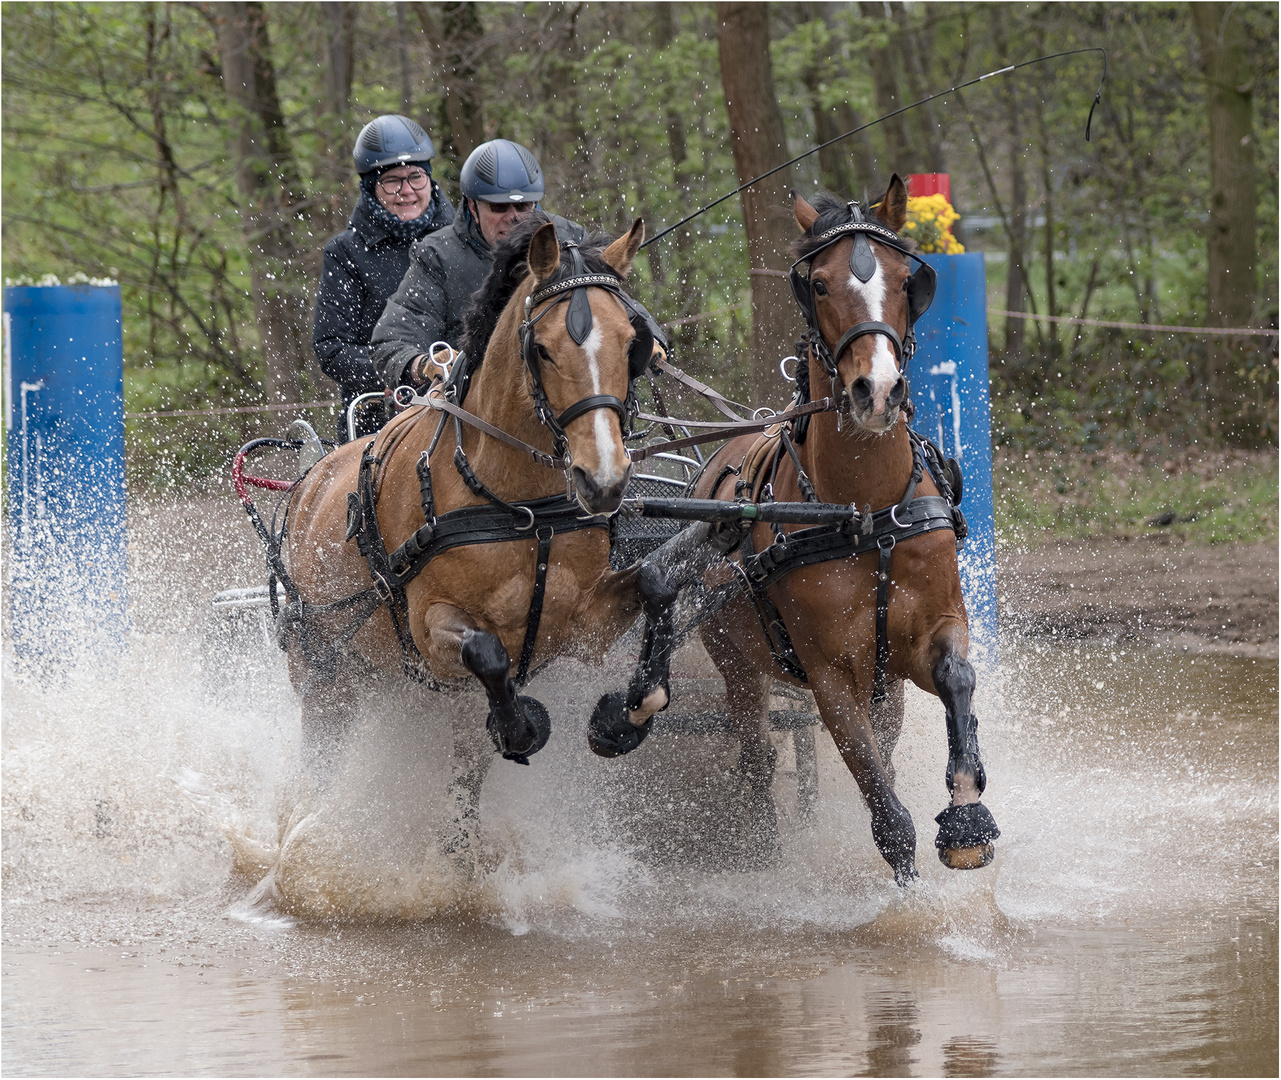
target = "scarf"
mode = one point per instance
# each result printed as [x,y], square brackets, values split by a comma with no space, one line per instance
[405,230]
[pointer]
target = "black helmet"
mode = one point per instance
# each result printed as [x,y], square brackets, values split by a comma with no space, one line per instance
[501,171]
[391,140]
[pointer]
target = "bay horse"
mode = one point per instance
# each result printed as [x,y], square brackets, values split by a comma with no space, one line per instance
[486,562]
[808,610]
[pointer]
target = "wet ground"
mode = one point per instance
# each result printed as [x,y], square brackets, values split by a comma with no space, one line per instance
[176,903]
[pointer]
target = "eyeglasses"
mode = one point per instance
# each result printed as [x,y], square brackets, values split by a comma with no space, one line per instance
[416,180]
[499,209]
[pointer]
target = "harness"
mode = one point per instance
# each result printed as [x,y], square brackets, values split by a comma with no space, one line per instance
[500,521]
[863,532]
[920,294]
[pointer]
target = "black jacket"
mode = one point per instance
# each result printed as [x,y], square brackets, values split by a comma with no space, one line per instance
[445,268]
[363,266]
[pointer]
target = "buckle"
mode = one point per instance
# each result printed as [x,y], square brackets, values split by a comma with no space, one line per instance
[383,587]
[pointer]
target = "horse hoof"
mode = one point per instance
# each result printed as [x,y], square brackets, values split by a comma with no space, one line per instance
[518,747]
[609,732]
[970,858]
[965,836]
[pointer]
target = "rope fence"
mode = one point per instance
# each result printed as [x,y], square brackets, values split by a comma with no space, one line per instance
[1240,331]
[1160,328]
[229,411]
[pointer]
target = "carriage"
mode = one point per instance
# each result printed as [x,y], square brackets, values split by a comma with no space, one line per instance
[840,597]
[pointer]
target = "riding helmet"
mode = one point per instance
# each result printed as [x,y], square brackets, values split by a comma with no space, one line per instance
[392,140]
[501,171]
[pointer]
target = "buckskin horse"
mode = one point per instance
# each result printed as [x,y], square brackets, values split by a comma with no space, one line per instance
[848,610]
[487,539]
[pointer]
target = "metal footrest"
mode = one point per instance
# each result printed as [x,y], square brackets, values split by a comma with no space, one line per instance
[712,722]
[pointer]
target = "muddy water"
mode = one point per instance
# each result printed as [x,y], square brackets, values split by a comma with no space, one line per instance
[177,902]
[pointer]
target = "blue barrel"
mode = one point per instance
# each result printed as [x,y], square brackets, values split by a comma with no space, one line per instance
[65,469]
[950,388]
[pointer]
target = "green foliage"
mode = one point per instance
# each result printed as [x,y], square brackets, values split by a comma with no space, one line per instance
[120,162]
[1201,496]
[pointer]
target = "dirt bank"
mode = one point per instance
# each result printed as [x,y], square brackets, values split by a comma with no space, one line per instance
[1154,591]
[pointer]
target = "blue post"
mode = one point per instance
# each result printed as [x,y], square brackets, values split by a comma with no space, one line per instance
[949,378]
[65,469]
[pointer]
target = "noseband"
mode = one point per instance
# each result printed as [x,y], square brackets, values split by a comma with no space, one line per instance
[578,321]
[920,293]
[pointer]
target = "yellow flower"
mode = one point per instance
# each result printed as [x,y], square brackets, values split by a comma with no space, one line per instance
[930,221]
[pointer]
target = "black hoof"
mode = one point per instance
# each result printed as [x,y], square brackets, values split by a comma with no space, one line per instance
[965,836]
[906,876]
[609,732]
[532,735]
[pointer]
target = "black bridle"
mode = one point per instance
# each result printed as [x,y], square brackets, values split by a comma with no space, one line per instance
[578,321]
[920,293]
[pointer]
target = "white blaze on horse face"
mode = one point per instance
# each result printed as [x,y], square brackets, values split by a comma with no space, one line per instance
[884,374]
[611,457]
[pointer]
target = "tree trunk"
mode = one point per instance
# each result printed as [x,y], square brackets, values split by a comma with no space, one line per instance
[269,185]
[841,165]
[402,53]
[759,144]
[898,151]
[340,16]
[1016,287]
[914,44]
[1231,284]
[457,46]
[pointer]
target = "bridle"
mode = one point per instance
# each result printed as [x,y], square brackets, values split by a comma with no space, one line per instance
[920,293]
[578,321]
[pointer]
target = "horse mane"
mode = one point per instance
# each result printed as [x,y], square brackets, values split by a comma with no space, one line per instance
[832,211]
[509,269]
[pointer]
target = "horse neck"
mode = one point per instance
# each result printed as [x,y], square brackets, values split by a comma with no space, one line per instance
[850,465]
[499,395]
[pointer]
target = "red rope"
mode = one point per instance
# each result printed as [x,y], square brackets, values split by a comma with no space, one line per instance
[239,478]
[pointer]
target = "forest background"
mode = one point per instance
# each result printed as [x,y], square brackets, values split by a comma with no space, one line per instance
[199,153]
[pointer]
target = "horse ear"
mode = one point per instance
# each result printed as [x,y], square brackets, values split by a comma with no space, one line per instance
[544,252]
[805,214]
[622,251]
[892,209]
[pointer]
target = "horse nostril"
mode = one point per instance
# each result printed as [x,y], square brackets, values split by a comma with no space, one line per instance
[861,391]
[585,482]
[897,394]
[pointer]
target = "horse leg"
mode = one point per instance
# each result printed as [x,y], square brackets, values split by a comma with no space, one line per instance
[847,717]
[519,726]
[966,828]
[747,707]
[469,766]
[328,709]
[887,724]
[620,722]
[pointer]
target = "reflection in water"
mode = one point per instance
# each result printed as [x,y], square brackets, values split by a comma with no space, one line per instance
[893,1020]
[1129,924]
[970,1057]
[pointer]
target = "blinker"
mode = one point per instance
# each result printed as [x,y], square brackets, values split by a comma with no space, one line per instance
[578,313]
[862,260]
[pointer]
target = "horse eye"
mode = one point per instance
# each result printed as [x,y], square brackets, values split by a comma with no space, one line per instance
[820,288]
[543,354]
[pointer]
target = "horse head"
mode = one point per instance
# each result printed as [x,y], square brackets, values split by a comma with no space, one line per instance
[581,366]
[861,300]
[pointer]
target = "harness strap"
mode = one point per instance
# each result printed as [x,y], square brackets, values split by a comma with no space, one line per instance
[880,688]
[545,534]
[389,586]
[827,543]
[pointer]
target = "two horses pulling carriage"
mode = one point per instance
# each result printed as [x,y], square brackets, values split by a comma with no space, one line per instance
[472,536]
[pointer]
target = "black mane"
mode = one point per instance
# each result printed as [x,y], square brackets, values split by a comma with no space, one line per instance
[832,211]
[509,269]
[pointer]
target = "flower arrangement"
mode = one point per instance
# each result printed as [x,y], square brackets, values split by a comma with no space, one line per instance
[929,223]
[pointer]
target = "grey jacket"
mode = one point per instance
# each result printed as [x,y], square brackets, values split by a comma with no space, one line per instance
[445,268]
